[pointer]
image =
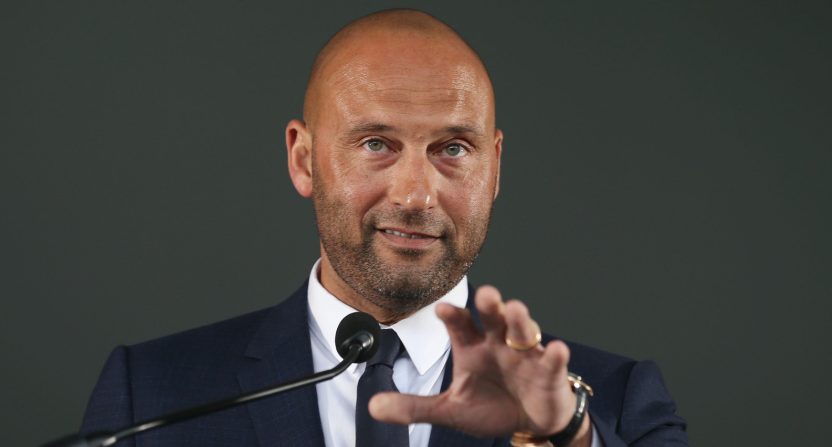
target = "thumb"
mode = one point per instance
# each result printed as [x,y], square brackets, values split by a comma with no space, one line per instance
[398,408]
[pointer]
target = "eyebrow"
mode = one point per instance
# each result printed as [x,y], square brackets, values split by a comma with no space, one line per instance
[464,128]
[370,127]
[374,127]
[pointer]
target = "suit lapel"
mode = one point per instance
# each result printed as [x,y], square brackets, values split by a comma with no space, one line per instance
[280,351]
[442,436]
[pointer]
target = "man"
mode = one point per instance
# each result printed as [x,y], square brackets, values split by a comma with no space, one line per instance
[399,151]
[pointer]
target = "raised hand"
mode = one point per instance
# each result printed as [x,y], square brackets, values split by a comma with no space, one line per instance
[496,389]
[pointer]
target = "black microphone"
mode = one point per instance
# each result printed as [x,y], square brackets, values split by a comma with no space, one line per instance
[356,340]
[357,328]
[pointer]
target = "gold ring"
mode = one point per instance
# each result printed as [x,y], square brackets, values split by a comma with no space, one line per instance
[518,347]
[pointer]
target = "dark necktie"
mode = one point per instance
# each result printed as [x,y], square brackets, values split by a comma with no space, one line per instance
[378,377]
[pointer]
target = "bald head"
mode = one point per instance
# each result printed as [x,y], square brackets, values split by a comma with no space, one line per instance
[408,38]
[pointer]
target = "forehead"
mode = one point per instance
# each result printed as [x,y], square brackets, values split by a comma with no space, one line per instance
[414,82]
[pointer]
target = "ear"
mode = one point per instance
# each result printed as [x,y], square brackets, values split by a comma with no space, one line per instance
[498,148]
[299,151]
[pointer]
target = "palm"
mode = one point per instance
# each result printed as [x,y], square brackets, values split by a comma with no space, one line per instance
[496,390]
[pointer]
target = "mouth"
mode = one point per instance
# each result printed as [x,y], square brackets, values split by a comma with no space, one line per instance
[402,238]
[407,234]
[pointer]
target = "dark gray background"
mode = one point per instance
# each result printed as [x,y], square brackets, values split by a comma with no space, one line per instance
[665,188]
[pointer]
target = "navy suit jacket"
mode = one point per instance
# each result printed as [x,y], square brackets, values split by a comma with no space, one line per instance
[631,404]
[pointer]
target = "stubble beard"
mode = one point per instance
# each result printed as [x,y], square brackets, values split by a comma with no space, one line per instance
[399,288]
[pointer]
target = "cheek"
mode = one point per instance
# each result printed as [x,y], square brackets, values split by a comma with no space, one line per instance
[356,187]
[468,200]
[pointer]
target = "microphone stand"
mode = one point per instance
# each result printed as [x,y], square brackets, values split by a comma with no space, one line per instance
[108,439]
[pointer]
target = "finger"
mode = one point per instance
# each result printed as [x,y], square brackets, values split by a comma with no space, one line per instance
[397,408]
[459,323]
[555,358]
[492,312]
[520,328]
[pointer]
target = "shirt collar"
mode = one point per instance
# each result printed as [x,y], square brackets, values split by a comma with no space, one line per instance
[423,334]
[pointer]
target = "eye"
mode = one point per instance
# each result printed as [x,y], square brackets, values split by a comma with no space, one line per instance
[455,150]
[375,145]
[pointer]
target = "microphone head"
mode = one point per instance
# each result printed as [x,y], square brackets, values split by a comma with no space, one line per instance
[358,328]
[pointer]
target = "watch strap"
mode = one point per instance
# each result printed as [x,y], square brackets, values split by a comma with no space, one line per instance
[565,436]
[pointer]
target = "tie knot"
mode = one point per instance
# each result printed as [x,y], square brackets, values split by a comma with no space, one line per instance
[388,351]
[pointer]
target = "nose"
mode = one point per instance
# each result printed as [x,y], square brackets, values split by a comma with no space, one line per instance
[413,182]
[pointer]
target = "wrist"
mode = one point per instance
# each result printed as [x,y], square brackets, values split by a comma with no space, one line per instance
[577,432]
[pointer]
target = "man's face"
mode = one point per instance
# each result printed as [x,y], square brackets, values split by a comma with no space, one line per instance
[405,163]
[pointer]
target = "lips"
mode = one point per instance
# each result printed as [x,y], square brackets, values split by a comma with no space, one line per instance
[411,235]
[404,239]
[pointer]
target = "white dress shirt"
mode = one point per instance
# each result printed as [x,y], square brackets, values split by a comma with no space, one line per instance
[419,371]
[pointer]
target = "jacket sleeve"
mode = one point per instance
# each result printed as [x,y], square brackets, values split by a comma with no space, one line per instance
[648,413]
[110,407]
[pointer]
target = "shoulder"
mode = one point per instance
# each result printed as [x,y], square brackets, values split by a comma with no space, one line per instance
[222,344]
[190,367]
[146,379]
[209,341]
[207,359]
[631,398]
